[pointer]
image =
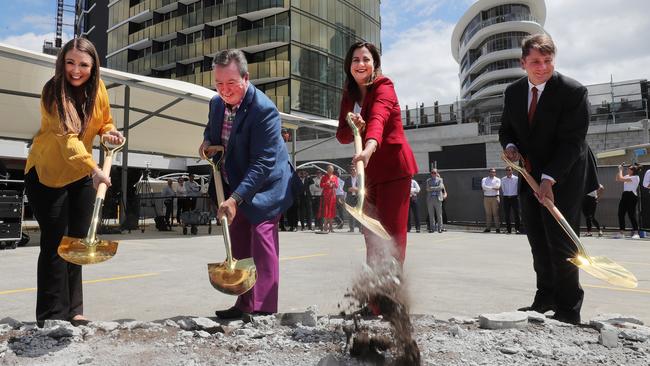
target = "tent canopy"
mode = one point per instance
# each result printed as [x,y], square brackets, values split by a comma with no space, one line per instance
[165,116]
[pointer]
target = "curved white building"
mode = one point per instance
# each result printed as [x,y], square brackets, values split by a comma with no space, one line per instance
[486,43]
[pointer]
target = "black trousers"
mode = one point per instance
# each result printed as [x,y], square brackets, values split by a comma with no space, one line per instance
[315,206]
[413,209]
[169,204]
[511,203]
[292,215]
[627,205]
[557,279]
[589,211]
[59,212]
[304,211]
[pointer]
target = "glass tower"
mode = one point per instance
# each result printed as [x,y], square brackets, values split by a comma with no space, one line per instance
[295,48]
[486,43]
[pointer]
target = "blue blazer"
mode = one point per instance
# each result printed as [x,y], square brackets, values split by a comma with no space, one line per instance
[257,161]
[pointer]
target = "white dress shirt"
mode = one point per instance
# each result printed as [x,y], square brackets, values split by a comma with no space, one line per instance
[415,188]
[315,188]
[509,186]
[489,184]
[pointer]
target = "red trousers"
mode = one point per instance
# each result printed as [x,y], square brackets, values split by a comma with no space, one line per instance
[389,203]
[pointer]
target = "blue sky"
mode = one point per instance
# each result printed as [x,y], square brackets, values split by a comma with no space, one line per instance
[595,38]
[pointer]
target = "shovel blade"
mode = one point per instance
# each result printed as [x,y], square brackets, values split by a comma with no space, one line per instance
[607,270]
[76,251]
[235,281]
[368,222]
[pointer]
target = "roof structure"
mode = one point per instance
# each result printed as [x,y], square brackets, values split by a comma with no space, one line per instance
[164,116]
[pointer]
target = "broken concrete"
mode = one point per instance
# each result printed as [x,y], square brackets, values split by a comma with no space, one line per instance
[513,319]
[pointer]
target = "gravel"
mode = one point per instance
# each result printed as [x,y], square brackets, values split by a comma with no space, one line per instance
[265,341]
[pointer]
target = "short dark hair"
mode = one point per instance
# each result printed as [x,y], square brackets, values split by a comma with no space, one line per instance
[540,42]
[225,57]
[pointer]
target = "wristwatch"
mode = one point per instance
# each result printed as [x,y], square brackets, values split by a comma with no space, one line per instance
[237,198]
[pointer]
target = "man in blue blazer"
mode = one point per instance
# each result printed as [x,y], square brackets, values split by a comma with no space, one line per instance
[257,175]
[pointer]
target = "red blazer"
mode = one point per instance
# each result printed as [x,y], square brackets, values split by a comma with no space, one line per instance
[393,158]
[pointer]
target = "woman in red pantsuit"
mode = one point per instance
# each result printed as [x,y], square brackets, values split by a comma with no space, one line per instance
[387,156]
[329,183]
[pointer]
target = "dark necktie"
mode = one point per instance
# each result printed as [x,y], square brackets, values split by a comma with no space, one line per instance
[533,106]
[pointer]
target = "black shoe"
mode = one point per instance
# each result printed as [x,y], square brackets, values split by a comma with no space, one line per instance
[417,231]
[509,231]
[430,231]
[232,313]
[78,322]
[567,318]
[486,230]
[540,308]
[498,231]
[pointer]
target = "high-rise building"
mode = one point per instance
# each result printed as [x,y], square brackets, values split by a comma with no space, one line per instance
[295,48]
[91,21]
[486,43]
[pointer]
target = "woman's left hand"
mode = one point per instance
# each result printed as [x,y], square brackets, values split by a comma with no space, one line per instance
[113,137]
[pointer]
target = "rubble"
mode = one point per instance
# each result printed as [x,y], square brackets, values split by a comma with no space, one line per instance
[266,342]
[513,319]
[608,336]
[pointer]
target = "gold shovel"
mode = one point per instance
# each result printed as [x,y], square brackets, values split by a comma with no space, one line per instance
[232,277]
[91,250]
[357,212]
[600,267]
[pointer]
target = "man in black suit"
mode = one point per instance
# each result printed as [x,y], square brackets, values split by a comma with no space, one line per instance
[304,200]
[544,124]
[351,188]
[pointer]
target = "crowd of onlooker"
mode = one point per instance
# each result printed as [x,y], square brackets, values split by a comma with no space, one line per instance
[501,195]
[320,204]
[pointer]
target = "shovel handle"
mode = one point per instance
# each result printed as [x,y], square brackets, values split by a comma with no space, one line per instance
[108,162]
[550,206]
[358,148]
[218,185]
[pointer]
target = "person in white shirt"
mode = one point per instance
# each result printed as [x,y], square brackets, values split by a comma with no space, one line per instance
[413,207]
[589,209]
[435,187]
[168,200]
[181,193]
[510,190]
[491,186]
[629,198]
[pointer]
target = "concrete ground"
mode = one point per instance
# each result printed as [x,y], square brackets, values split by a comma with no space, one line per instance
[159,275]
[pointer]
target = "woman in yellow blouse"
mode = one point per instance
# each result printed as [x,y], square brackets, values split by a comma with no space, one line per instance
[61,175]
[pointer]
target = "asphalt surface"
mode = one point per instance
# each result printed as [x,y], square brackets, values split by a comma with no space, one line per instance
[159,275]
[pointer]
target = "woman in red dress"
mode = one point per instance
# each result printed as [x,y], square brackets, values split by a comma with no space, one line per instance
[386,154]
[329,183]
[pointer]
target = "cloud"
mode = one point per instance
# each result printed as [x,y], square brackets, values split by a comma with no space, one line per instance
[31,41]
[608,37]
[39,23]
[421,65]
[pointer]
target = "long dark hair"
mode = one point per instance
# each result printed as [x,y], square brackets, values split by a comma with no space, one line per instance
[350,85]
[58,95]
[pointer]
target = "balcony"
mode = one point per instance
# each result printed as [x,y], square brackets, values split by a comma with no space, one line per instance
[469,33]
[282,102]
[252,37]
[202,78]
[269,70]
